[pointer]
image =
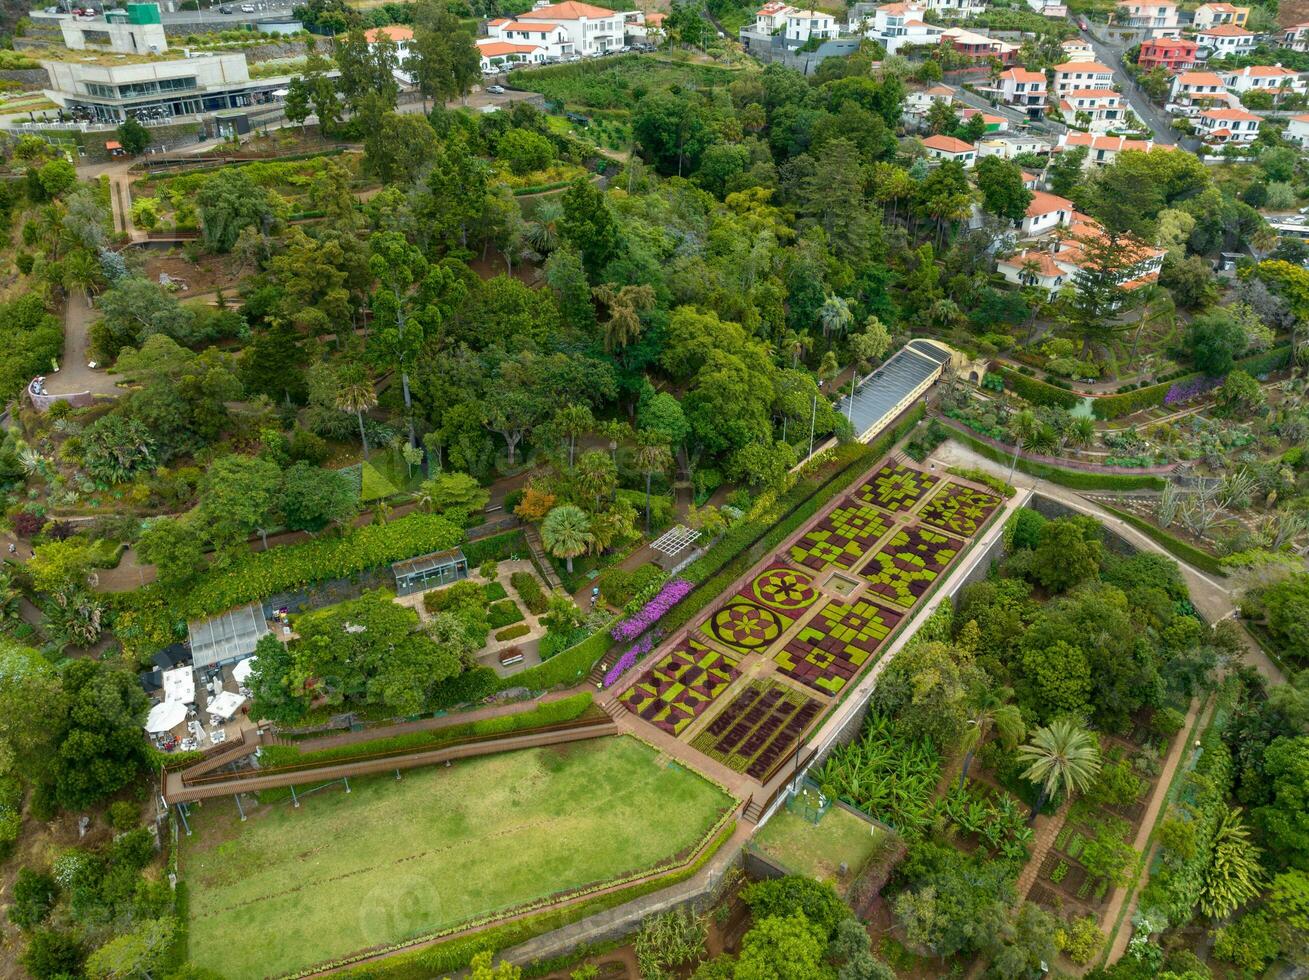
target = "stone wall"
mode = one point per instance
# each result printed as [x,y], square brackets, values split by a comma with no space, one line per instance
[29,78]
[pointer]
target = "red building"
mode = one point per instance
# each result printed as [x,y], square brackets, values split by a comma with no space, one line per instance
[1168,53]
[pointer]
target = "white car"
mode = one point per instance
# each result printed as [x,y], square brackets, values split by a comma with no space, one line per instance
[496,89]
[247,8]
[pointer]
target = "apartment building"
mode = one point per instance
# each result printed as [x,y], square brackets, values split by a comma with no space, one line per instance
[1170,54]
[1023,89]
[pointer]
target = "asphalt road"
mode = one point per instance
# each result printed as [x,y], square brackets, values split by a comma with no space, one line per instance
[263,8]
[1160,122]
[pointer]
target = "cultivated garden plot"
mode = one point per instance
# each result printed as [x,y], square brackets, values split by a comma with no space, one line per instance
[680,686]
[896,487]
[834,646]
[758,728]
[906,566]
[959,509]
[841,538]
[745,626]
[784,589]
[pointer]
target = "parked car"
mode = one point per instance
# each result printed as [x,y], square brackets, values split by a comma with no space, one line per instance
[247,8]
[496,89]
[225,8]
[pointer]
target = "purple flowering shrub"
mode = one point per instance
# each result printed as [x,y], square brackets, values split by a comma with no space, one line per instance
[673,592]
[630,657]
[1184,391]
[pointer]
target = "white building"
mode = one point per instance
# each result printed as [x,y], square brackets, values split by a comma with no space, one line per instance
[1213,14]
[1078,50]
[1045,213]
[1006,146]
[1101,107]
[134,31]
[957,9]
[1049,8]
[1227,126]
[501,54]
[1053,268]
[801,25]
[403,38]
[1296,38]
[896,24]
[1158,17]
[1074,75]
[1023,89]
[919,102]
[1191,87]
[553,40]
[591,30]
[1263,78]
[771,18]
[1103,150]
[947,148]
[1225,39]
[1298,129]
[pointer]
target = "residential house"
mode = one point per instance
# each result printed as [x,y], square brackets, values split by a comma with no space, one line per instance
[1103,150]
[1296,38]
[591,30]
[1078,50]
[1227,126]
[1198,88]
[1101,108]
[640,26]
[498,54]
[1213,14]
[1036,267]
[1050,269]
[1159,17]
[1225,39]
[949,148]
[553,39]
[1045,213]
[801,25]
[957,9]
[994,123]
[1049,8]
[1170,54]
[1073,75]
[1006,146]
[771,18]
[978,46]
[919,102]
[1298,129]
[1023,89]
[1263,78]
[403,38]
[895,25]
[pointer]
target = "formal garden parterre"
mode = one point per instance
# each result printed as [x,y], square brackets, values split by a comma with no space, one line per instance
[680,686]
[841,538]
[759,727]
[904,568]
[896,487]
[835,645]
[959,509]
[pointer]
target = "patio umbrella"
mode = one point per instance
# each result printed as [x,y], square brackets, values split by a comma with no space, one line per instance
[241,672]
[165,716]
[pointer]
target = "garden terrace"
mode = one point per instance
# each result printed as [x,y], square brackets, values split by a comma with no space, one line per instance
[836,644]
[680,686]
[758,728]
[819,845]
[907,565]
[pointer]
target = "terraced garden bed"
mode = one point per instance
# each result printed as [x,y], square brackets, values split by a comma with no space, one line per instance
[895,487]
[842,537]
[905,567]
[758,728]
[681,686]
[834,646]
[742,625]
[959,509]
[783,589]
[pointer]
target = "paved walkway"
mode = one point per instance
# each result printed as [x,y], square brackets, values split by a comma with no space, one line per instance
[74,374]
[1046,830]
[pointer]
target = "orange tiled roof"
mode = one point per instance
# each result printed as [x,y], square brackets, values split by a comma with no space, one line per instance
[1225,30]
[568,10]
[1043,203]
[393,32]
[947,144]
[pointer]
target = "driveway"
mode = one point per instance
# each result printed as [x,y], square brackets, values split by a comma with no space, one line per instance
[1160,122]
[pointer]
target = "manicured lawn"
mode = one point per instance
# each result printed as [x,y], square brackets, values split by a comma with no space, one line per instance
[291,888]
[818,850]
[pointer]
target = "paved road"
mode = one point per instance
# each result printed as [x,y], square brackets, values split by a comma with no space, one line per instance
[1160,122]
[74,376]
[221,21]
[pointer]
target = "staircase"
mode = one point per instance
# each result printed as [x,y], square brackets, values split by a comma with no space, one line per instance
[753,811]
[542,561]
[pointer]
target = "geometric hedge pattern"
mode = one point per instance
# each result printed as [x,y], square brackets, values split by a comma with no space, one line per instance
[757,728]
[678,689]
[907,565]
[959,509]
[842,537]
[833,647]
[743,625]
[782,588]
[895,487]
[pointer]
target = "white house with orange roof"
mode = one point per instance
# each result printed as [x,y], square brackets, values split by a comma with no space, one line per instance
[497,54]
[801,25]
[919,102]
[896,24]
[1222,40]
[1099,108]
[1296,37]
[1298,129]
[1045,213]
[403,38]
[1227,126]
[771,17]
[1057,266]
[1078,50]
[1023,89]
[1074,75]
[591,30]
[553,39]
[1198,88]
[1263,78]
[1159,17]
[1103,150]
[947,148]
[1213,14]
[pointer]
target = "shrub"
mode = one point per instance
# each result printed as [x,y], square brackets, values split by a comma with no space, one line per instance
[619,586]
[530,591]
[982,477]
[34,895]
[494,592]
[454,597]
[513,632]
[466,688]
[1037,392]
[497,547]
[1080,940]
[504,613]
[124,815]
[1167,722]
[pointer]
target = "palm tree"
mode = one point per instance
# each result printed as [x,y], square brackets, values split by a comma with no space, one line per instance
[829,368]
[566,533]
[1080,433]
[1024,426]
[542,234]
[797,344]
[652,457]
[990,709]
[1062,755]
[835,316]
[82,271]
[573,421]
[357,395]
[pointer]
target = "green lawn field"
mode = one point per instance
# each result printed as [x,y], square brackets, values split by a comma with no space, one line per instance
[391,860]
[819,850]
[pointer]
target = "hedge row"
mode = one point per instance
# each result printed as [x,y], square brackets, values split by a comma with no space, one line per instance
[1037,392]
[1175,546]
[568,667]
[453,955]
[550,713]
[497,547]
[1073,479]
[1152,396]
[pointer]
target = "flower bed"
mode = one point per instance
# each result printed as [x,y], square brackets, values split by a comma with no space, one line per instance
[628,660]
[673,592]
[1190,389]
[907,565]
[834,646]
[895,487]
[959,509]
[782,588]
[758,728]
[681,686]
[742,625]
[841,538]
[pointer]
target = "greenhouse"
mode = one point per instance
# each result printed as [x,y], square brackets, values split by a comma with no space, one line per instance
[429,571]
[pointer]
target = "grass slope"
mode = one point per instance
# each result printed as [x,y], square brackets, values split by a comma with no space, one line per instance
[392,860]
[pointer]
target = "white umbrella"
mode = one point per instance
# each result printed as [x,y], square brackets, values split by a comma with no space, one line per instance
[165,716]
[225,705]
[241,672]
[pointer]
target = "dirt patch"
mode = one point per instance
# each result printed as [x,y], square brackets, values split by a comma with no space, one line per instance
[1292,12]
[204,276]
[494,265]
